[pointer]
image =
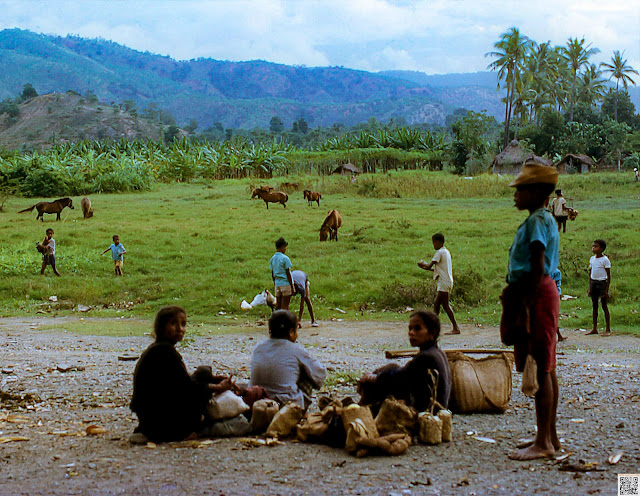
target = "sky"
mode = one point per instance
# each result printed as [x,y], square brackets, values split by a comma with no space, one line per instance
[431,36]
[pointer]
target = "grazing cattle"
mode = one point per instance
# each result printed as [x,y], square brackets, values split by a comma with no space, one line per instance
[87,212]
[54,207]
[312,196]
[330,226]
[271,196]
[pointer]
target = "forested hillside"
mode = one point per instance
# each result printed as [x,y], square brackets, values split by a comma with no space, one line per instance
[236,94]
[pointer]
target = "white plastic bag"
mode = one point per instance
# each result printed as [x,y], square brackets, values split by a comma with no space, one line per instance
[226,405]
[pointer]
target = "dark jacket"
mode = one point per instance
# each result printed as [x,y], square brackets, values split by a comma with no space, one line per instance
[412,383]
[168,403]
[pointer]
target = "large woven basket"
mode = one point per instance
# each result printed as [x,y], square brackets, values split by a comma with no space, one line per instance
[479,385]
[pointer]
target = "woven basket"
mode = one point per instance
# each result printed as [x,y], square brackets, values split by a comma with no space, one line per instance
[479,385]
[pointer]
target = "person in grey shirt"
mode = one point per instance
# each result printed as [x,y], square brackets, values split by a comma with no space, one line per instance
[284,368]
[301,283]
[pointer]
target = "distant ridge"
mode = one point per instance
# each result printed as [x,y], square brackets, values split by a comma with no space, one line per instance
[236,94]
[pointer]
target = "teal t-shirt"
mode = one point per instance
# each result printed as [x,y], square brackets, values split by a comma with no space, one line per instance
[279,264]
[540,226]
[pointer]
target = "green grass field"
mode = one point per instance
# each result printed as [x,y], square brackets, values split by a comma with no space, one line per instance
[207,246]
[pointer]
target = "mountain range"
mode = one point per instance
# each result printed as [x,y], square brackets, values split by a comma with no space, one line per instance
[238,94]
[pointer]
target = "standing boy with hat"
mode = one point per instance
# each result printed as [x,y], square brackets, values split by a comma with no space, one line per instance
[533,265]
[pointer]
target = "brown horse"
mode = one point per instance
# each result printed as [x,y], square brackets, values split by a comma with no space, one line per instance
[87,211]
[312,196]
[54,207]
[271,196]
[330,226]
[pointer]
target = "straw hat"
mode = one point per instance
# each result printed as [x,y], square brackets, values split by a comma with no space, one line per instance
[536,174]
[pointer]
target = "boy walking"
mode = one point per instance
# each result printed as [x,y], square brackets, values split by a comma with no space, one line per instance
[442,272]
[533,265]
[48,250]
[560,211]
[599,281]
[117,250]
[281,274]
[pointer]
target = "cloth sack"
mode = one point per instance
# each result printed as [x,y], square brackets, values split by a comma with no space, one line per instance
[226,405]
[515,320]
[237,426]
[262,414]
[358,422]
[479,385]
[391,444]
[530,377]
[430,428]
[284,422]
[395,417]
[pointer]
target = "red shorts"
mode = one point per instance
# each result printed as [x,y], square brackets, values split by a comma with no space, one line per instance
[544,324]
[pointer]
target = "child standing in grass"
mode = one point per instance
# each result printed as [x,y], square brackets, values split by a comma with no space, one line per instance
[48,250]
[442,272]
[599,281]
[117,250]
[281,274]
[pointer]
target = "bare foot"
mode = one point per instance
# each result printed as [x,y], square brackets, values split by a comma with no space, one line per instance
[592,331]
[529,442]
[561,337]
[607,333]
[533,452]
[455,331]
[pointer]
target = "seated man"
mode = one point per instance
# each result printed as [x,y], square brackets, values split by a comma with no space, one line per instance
[412,383]
[284,368]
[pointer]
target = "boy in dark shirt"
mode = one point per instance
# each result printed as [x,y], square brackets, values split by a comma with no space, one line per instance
[412,383]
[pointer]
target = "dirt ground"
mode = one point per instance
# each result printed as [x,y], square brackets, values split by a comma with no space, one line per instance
[74,381]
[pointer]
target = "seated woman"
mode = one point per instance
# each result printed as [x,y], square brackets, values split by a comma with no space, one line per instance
[412,383]
[169,402]
[284,368]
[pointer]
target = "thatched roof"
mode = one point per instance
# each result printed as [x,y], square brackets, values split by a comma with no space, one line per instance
[574,159]
[515,156]
[347,168]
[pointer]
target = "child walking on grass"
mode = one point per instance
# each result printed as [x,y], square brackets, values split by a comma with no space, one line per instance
[48,250]
[599,281]
[531,301]
[442,272]
[117,250]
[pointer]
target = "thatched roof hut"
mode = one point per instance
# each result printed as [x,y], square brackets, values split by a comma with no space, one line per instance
[513,157]
[347,168]
[581,163]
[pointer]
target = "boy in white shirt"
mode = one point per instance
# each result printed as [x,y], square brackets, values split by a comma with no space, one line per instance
[599,282]
[560,211]
[442,272]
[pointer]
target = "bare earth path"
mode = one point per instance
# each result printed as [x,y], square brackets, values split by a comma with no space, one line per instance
[598,416]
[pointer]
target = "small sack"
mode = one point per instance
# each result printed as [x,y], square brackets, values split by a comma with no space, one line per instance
[226,405]
[356,431]
[530,377]
[515,319]
[430,428]
[395,417]
[237,426]
[391,444]
[353,412]
[447,425]
[285,421]
[262,414]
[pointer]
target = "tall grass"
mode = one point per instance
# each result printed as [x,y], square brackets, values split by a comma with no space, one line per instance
[206,245]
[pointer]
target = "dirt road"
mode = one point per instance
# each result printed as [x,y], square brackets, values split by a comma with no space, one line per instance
[73,381]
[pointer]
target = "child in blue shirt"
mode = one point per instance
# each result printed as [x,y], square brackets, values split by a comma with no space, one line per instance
[532,275]
[281,274]
[117,250]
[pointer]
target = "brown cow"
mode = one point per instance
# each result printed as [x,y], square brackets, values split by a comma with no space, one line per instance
[330,226]
[54,207]
[87,212]
[271,196]
[312,196]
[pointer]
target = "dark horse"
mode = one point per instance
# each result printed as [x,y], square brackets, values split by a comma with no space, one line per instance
[54,207]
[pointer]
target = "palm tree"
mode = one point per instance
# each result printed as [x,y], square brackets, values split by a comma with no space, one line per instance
[510,54]
[592,86]
[577,55]
[620,70]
